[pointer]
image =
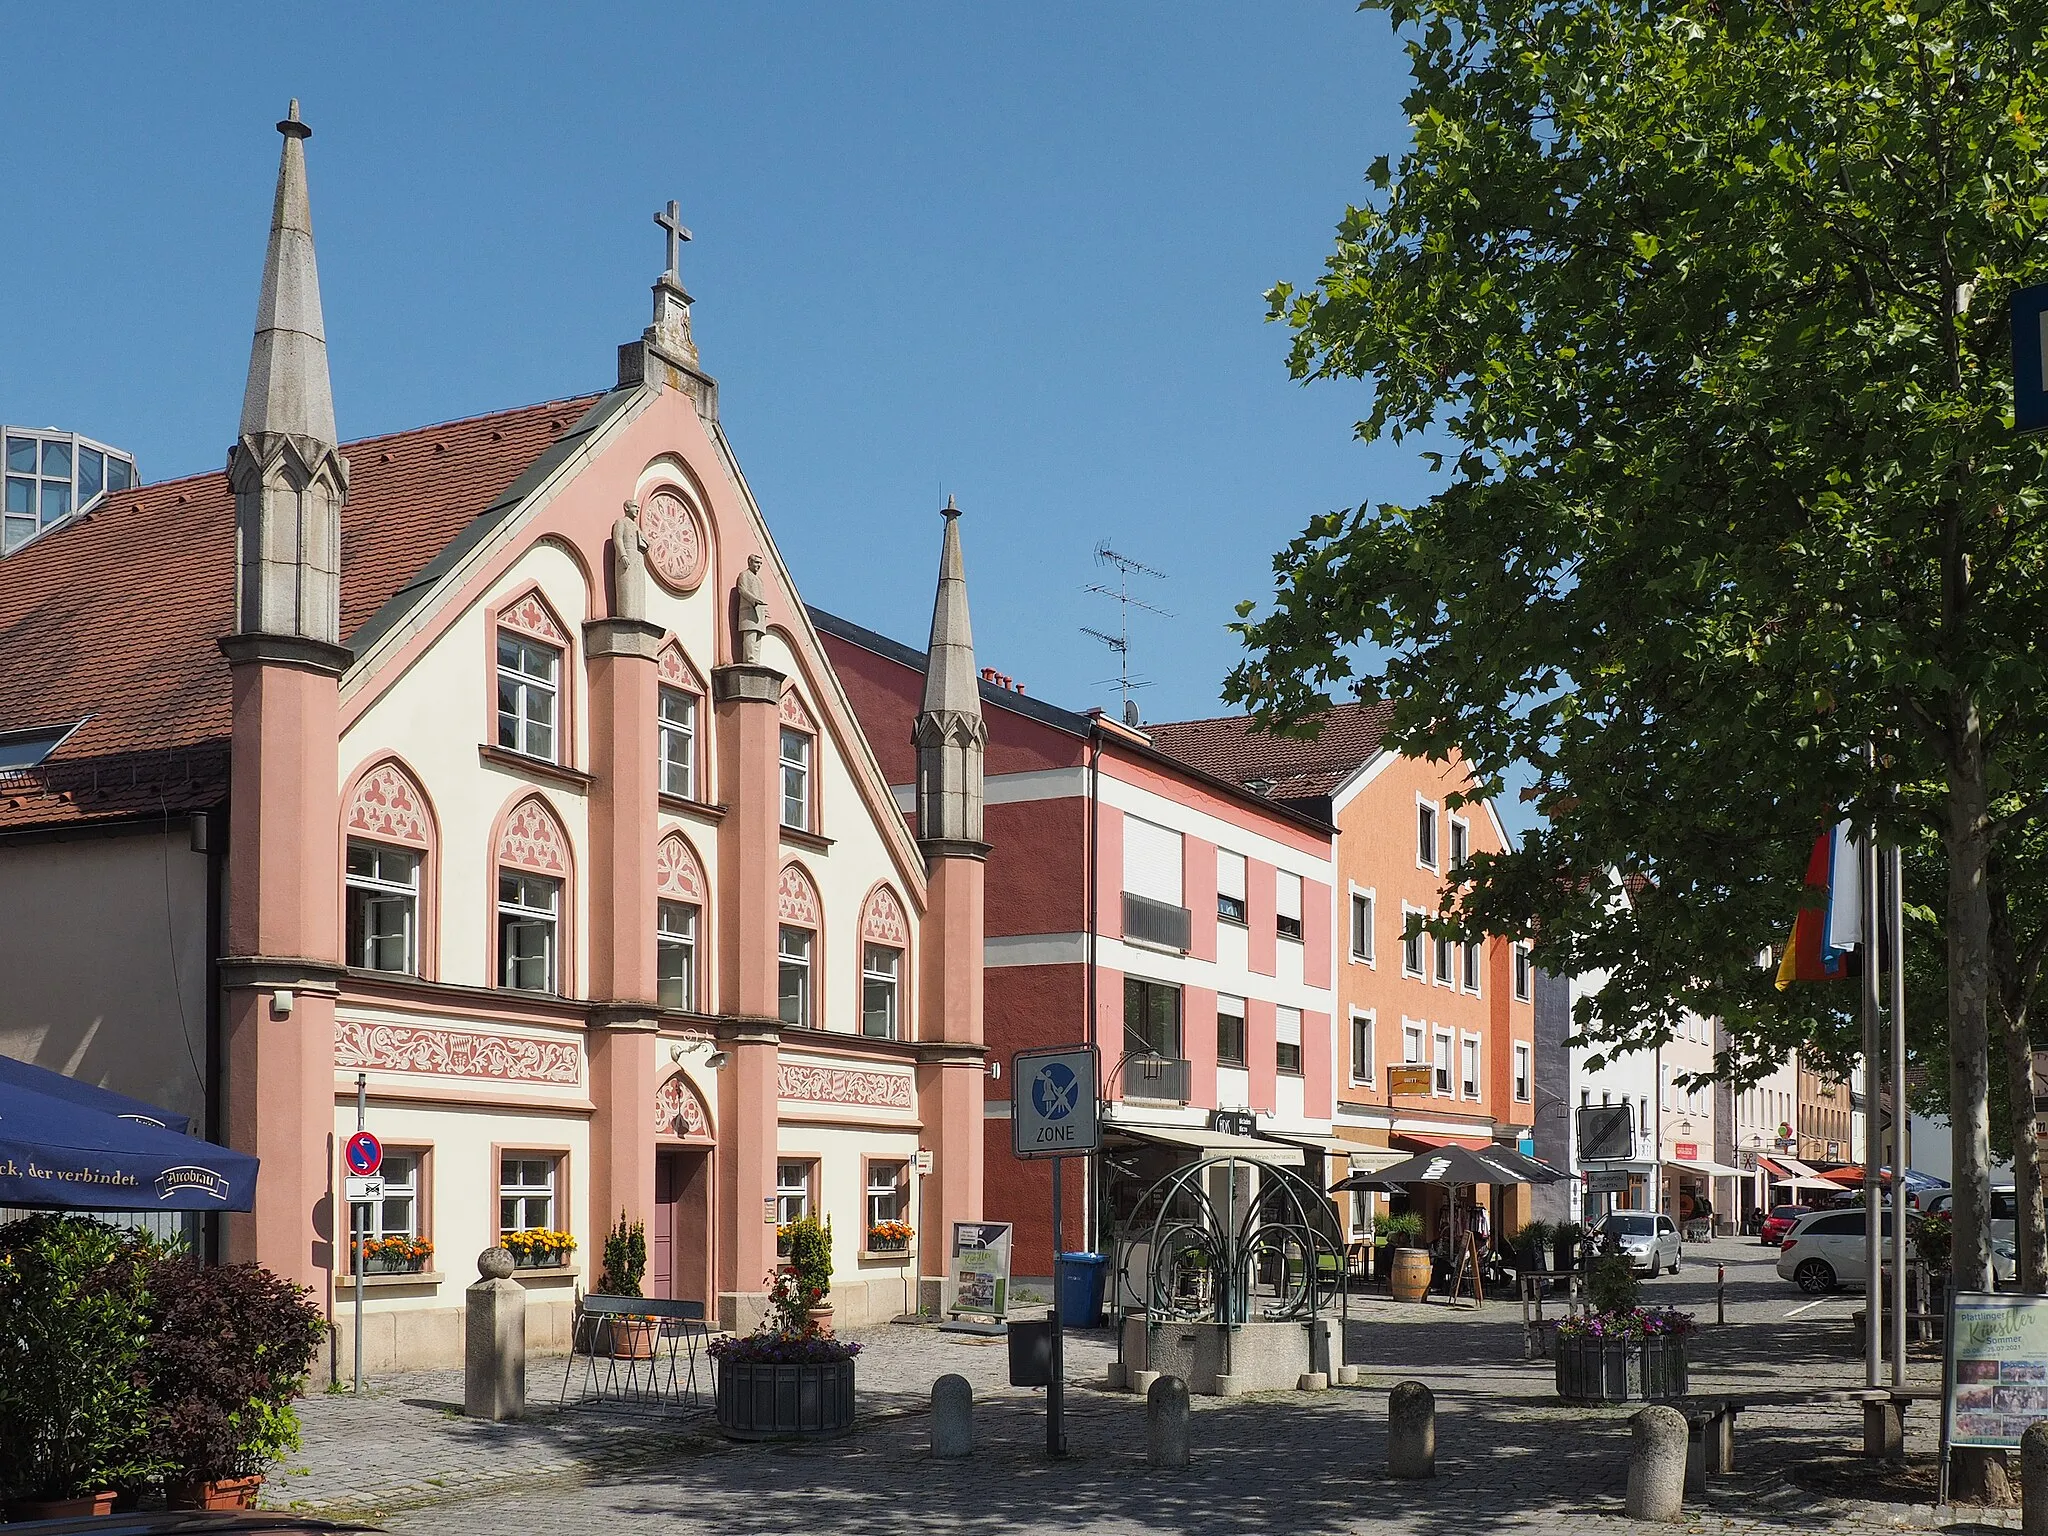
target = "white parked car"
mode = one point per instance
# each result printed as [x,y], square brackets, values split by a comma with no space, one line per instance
[1649,1240]
[1825,1250]
[2005,1211]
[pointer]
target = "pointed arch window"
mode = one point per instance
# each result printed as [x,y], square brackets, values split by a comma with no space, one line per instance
[884,945]
[386,900]
[680,726]
[531,645]
[797,949]
[679,915]
[533,867]
[799,765]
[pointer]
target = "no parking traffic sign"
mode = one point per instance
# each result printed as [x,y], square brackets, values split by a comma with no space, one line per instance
[364,1154]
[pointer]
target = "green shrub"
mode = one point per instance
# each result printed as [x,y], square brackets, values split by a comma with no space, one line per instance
[625,1259]
[1613,1286]
[1535,1236]
[1402,1228]
[74,1343]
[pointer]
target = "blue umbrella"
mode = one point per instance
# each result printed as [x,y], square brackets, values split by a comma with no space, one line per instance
[63,1156]
[22,1074]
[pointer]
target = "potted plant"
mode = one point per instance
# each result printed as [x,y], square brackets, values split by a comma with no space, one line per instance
[229,1350]
[396,1255]
[1621,1351]
[625,1266]
[889,1237]
[539,1248]
[1403,1229]
[810,1265]
[1532,1246]
[74,1406]
[789,1379]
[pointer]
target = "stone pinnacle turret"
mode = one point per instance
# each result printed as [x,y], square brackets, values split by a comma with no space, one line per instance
[950,735]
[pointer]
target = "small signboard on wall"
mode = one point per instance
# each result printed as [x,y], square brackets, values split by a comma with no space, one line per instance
[981,1269]
[1409,1081]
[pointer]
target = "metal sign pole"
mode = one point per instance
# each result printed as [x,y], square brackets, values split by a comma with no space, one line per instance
[1897,919]
[355,1241]
[1056,1388]
[1873,1198]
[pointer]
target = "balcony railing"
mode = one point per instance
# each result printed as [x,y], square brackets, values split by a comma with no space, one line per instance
[1162,1079]
[1154,922]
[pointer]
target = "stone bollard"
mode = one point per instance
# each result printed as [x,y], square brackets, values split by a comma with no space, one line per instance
[494,1341]
[1884,1427]
[1411,1431]
[952,1418]
[1656,1465]
[2034,1479]
[1166,1423]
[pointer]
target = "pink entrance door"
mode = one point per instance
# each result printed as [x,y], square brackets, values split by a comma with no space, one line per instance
[661,1236]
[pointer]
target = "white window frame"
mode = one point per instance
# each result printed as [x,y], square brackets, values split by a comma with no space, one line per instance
[1471,1054]
[532,726]
[1443,970]
[1525,1070]
[798,961]
[793,1196]
[1362,1062]
[371,1219]
[1229,1007]
[1471,965]
[893,1191]
[1368,955]
[1525,973]
[1414,948]
[1442,1083]
[1283,1018]
[1230,887]
[524,1191]
[1414,1040]
[1285,881]
[377,890]
[874,976]
[520,909]
[1461,834]
[677,738]
[796,776]
[675,932]
[1429,817]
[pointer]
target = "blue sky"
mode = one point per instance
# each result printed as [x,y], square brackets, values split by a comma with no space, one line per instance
[1013,254]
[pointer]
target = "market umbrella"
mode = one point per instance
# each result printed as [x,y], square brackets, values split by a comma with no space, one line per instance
[1452,1165]
[1533,1170]
[56,1154]
[23,1074]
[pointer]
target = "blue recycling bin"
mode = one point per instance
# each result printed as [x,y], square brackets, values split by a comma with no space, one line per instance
[1082,1276]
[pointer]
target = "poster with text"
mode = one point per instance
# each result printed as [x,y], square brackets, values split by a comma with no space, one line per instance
[2001,1383]
[981,1268]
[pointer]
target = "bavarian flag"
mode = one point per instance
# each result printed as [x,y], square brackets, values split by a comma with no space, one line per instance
[1826,938]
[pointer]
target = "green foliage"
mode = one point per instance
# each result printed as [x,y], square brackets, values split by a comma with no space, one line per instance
[1402,1229]
[229,1350]
[625,1259]
[1703,311]
[74,1318]
[1534,1237]
[1612,1285]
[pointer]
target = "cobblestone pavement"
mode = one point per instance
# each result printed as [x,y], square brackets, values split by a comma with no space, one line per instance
[1510,1457]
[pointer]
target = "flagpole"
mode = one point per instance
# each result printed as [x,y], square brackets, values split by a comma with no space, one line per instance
[1873,1203]
[1897,917]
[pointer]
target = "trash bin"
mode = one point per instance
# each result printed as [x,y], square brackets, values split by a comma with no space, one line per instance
[1082,1276]
[1030,1353]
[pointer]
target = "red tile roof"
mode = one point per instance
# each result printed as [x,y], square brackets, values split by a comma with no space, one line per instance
[116,615]
[1292,768]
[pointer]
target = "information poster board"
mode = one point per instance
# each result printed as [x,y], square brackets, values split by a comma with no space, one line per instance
[981,1269]
[2001,1368]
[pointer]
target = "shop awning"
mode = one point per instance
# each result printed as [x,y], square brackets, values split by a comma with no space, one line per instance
[1793,1174]
[1356,1155]
[1704,1165]
[1204,1143]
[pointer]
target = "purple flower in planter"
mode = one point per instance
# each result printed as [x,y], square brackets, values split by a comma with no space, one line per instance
[771,1348]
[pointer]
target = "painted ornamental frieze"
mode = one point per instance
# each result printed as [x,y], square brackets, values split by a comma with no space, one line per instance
[455,1053]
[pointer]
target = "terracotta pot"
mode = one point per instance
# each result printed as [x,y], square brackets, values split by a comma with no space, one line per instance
[628,1338]
[224,1493]
[61,1509]
[821,1316]
[1411,1274]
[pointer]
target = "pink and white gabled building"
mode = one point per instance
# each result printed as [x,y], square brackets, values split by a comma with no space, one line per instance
[1179,922]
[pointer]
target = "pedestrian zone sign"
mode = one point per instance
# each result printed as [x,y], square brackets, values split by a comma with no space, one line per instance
[1053,1111]
[2030,358]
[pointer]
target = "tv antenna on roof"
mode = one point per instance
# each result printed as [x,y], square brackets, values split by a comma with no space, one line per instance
[1120,642]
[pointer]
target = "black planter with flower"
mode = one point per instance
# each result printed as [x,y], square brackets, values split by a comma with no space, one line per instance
[771,1387]
[1638,1356]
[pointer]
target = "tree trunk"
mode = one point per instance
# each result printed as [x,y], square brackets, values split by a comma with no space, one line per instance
[1976,1477]
[2030,1229]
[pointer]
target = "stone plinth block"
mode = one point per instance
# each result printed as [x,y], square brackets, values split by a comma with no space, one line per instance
[1166,1423]
[952,1417]
[1884,1427]
[494,1341]
[1411,1431]
[1656,1465]
[2034,1479]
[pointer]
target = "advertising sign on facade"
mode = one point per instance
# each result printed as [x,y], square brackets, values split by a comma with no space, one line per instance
[1405,1082]
[1686,1151]
[981,1269]
[2001,1380]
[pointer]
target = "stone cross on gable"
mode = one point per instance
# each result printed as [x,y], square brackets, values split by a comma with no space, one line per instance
[671,220]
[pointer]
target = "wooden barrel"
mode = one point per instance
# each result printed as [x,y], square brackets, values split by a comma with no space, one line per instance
[1411,1274]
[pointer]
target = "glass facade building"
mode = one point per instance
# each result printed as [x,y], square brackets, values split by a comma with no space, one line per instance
[50,475]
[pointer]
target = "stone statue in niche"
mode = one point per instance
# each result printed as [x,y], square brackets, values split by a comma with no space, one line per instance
[629,565]
[750,613]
